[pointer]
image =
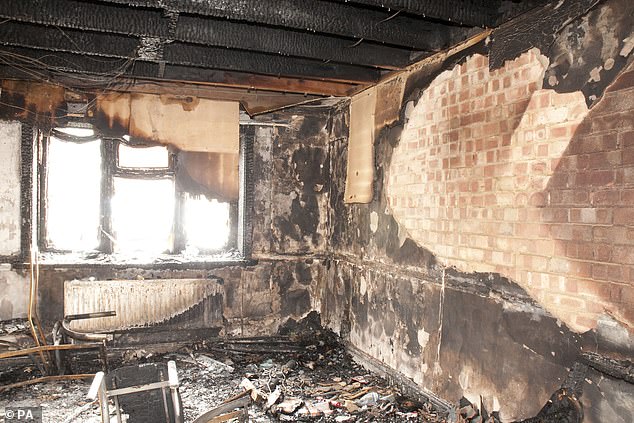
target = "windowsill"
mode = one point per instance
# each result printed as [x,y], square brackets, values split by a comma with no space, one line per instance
[163,261]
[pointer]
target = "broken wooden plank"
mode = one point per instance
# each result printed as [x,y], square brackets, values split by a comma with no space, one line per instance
[241,400]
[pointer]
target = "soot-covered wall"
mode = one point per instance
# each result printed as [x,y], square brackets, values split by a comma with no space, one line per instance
[289,186]
[496,249]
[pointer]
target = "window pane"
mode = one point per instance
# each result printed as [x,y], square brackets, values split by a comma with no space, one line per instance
[74,187]
[142,215]
[156,157]
[207,224]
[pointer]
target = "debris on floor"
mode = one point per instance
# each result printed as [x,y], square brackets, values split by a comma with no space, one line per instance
[301,374]
[471,413]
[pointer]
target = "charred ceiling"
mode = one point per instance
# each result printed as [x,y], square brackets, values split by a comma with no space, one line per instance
[321,47]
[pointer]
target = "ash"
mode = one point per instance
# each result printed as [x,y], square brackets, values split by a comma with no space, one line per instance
[301,374]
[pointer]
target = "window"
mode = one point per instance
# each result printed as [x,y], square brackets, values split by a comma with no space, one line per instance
[114,197]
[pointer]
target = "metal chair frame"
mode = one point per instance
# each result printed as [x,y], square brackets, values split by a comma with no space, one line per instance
[98,389]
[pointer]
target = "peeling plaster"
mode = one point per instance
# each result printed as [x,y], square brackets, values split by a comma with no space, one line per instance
[10,195]
[14,295]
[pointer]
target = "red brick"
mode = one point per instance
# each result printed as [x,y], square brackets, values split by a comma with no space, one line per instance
[628,156]
[623,254]
[626,139]
[559,132]
[581,269]
[616,273]
[582,232]
[595,178]
[585,251]
[587,321]
[538,199]
[572,302]
[625,175]
[593,288]
[599,271]
[594,143]
[613,121]
[623,82]
[605,198]
[607,160]
[624,216]
[567,163]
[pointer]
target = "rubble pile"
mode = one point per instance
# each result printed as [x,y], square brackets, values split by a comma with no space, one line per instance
[471,413]
[301,374]
[306,375]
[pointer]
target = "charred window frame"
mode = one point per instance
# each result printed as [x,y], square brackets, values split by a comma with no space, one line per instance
[240,227]
[112,169]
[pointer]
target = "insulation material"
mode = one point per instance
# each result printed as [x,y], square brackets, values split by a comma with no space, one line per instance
[360,171]
[214,175]
[141,302]
[186,122]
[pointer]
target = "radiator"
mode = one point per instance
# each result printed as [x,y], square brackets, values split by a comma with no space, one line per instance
[185,303]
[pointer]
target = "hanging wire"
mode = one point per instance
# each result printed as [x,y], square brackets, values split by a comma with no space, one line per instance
[71,77]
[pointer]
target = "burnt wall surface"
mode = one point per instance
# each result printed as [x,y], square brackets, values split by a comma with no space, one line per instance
[437,302]
[288,232]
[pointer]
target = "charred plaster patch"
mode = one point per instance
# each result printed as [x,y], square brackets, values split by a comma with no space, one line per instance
[606,399]
[295,302]
[312,127]
[535,29]
[304,272]
[36,103]
[299,211]
[284,278]
[587,54]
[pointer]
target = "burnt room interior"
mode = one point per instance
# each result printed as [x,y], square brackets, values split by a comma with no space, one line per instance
[335,210]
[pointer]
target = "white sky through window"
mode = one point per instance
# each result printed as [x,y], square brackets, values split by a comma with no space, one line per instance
[143,215]
[207,224]
[74,193]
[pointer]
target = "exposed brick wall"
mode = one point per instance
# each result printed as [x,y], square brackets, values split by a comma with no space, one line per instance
[493,173]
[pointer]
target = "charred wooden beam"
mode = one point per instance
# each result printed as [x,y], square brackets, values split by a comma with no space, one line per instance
[252,37]
[23,63]
[58,39]
[535,29]
[120,46]
[197,30]
[319,16]
[235,60]
[482,13]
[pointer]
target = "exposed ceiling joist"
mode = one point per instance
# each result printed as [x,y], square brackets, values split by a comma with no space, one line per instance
[244,36]
[106,71]
[320,47]
[480,13]
[120,46]
[197,30]
[319,16]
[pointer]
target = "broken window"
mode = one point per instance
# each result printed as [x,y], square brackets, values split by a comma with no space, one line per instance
[114,196]
[72,202]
